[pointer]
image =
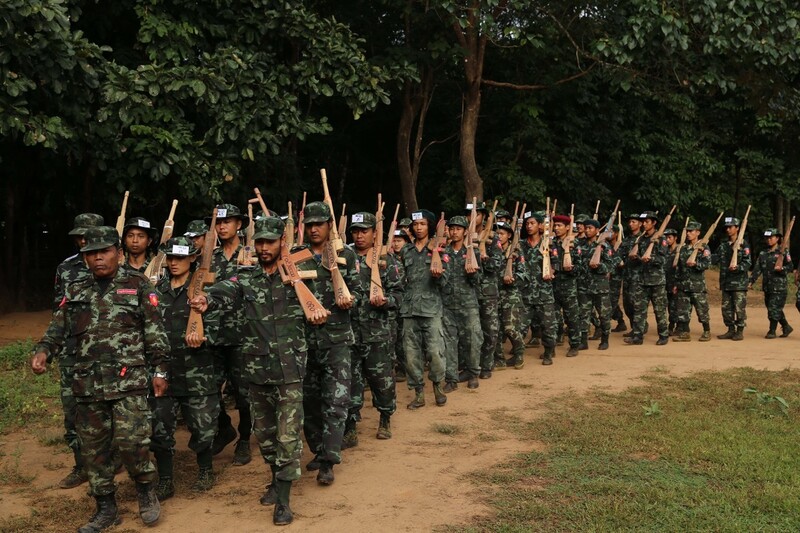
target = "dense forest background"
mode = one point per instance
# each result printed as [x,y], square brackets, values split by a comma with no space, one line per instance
[430,102]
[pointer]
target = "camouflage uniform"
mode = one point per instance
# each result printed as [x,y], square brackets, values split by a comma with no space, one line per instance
[512,310]
[774,284]
[670,274]
[597,285]
[734,284]
[651,288]
[691,285]
[615,290]
[488,302]
[565,291]
[582,253]
[539,298]
[396,332]
[144,224]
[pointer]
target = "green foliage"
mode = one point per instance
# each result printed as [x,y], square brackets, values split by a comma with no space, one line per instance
[764,400]
[653,408]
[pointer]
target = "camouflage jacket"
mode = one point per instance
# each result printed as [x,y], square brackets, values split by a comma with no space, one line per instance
[671,272]
[652,272]
[597,279]
[191,370]
[231,319]
[422,297]
[774,281]
[274,335]
[736,280]
[693,279]
[631,268]
[564,277]
[118,334]
[581,254]
[522,277]
[537,286]
[461,290]
[372,324]
[142,268]
[70,270]
[338,328]
[491,269]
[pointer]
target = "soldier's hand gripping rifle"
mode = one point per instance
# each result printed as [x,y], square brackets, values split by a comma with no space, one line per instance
[657,235]
[287,266]
[784,246]
[330,256]
[437,243]
[514,244]
[471,261]
[607,235]
[681,244]
[155,269]
[376,296]
[566,242]
[487,231]
[700,244]
[544,246]
[201,277]
[737,244]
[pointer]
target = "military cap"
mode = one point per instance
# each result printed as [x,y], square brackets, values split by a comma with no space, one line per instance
[180,246]
[731,221]
[670,231]
[100,238]
[538,215]
[404,223]
[269,228]
[649,215]
[424,214]
[693,226]
[582,218]
[196,228]
[502,213]
[315,212]
[634,216]
[141,223]
[84,221]
[564,219]
[260,214]
[591,222]
[772,232]
[458,220]
[401,233]
[230,211]
[504,226]
[480,206]
[362,220]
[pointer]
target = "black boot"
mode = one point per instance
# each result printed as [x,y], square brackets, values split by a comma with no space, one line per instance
[597,335]
[78,474]
[282,515]
[350,438]
[166,488]
[706,336]
[547,357]
[603,342]
[738,335]
[620,326]
[105,515]
[584,345]
[773,325]
[149,508]
[728,334]
[787,329]
[271,496]
[325,474]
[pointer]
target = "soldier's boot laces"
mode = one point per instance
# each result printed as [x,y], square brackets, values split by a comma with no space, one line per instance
[77,475]
[149,508]
[418,401]
[603,343]
[105,515]
[773,325]
[439,395]
[222,439]
[205,480]
[325,474]
[738,335]
[242,456]
[282,514]
[728,334]
[165,489]
[547,356]
[786,328]
[384,428]
[350,439]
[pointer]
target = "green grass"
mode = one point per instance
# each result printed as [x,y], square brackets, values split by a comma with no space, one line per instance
[714,458]
[25,397]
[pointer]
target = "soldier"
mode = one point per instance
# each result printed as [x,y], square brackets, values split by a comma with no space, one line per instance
[275,349]
[691,285]
[615,285]
[671,236]
[597,286]
[511,306]
[405,226]
[326,387]
[197,230]
[565,285]
[137,237]
[652,282]
[582,251]
[421,311]
[70,270]
[631,270]
[373,318]
[533,237]
[488,296]
[399,240]
[462,325]
[227,345]
[120,341]
[774,284]
[193,383]
[733,281]
[501,215]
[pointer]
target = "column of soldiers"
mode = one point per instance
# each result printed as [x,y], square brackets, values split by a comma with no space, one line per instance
[129,368]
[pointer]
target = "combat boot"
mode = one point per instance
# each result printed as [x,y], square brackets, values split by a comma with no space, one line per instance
[400,375]
[270,497]
[149,508]
[282,515]
[325,474]
[572,352]
[205,479]
[241,455]
[534,342]
[438,393]
[450,386]
[738,334]
[500,364]
[485,374]
[672,329]
[603,342]
[105,515]
[683,336]
[728,334]
[662,340]
[584,345]
[314,463]
[619,327]
[77,476]
[628,334]
[597,335]
[350,439]
[472,383]
[384,427]
[222,439]
[634,340]
[166,488]
[786,328]
[419,400]
[518,361]
[547,356]
[773,325]
[705,336]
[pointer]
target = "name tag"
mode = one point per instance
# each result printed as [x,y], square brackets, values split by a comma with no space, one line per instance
[470,206]
[222,213]
[416,216]
[126,291]
[357,218]
[528,214]
[178,249]
[144,224]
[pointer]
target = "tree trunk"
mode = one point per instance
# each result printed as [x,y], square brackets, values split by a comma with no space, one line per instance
[408,182]
[473,183]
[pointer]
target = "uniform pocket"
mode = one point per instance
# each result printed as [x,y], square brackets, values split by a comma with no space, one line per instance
[83,382]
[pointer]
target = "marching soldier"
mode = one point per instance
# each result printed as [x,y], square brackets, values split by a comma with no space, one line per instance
[631,270]
[615,286]
[651,288]
[197,230]
[538,297]
[774,284]
[691,286]
[671,236]
[582,251]
[488,295]
[597,286]
[138,236]
[399,240]
[120,342]
[733,281]
[565,285]
[511,306]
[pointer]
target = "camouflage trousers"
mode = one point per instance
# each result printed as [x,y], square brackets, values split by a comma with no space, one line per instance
[672,305]
[601,304]
[512,313]
[200,414]
[371,362]
[644,295]
[277,422]
[490,328]
[463,341]
[421,336]
[123,424]
[326,398]
[629,289]
[775,300]
[565,293]
[69,407]
[542,312]
[615,284]
[686,301]
[734,308]
[229,367]
[396,344]
[587,310]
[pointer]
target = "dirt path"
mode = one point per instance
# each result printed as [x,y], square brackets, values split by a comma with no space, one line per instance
[419,479]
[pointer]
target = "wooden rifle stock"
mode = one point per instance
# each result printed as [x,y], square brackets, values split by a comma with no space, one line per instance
[544,246]
[438,242]
[566,242]
[301,227]
[471,261]
[597,209]
[658,234]
[487,230]
[784,246]
[155,269]
[312,308]
[335,237]
[737,244]
[514,244]
[342,229]
[121,217]
[619,234]
[246,257]
[606,236]
[202,277]
[289,230]
[681,244]
[699,245]
[374,255]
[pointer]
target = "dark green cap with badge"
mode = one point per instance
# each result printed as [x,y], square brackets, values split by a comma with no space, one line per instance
[269,228]
[315,212]
[634,216]
[693,226]
[731,221]
[480,206]
[229,211]
[458,220]
[84,221]
[504,226]
[670,231]
[648,215]
[424,214]
[100,238]
[772,232]
[502,213]
[141,223]
[538,215]
[582,218]
[362,220]
[180,246]
[196,228]
[404,223]
[402,234]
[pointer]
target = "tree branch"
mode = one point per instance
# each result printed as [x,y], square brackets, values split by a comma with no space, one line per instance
[536,87]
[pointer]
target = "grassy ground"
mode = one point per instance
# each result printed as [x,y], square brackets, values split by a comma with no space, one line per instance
[24,396]
[710,452]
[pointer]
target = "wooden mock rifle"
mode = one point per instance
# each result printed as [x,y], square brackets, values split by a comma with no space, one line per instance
[658,234]
[155,269]
[121,222]
[438,242]
[332,246]
[470,261]
[700,244]
[544,246]
[487,231]
[566,242]
[619,234]
[378,249]
[289,230]
[681,244]
[784,246]
[737,244]
[201,277]
[247,255]
[597,209]
[287,267]
[514,244]
[605,236]
[343,224]
[301,227]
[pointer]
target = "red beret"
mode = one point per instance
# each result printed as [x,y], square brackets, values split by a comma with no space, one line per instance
[564,219]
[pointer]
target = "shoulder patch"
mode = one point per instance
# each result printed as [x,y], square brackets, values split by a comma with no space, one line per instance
[706,252]
[153,297]
[63,301]
[445,258]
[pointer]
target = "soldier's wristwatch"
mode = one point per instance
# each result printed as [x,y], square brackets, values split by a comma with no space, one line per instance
[162,375]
